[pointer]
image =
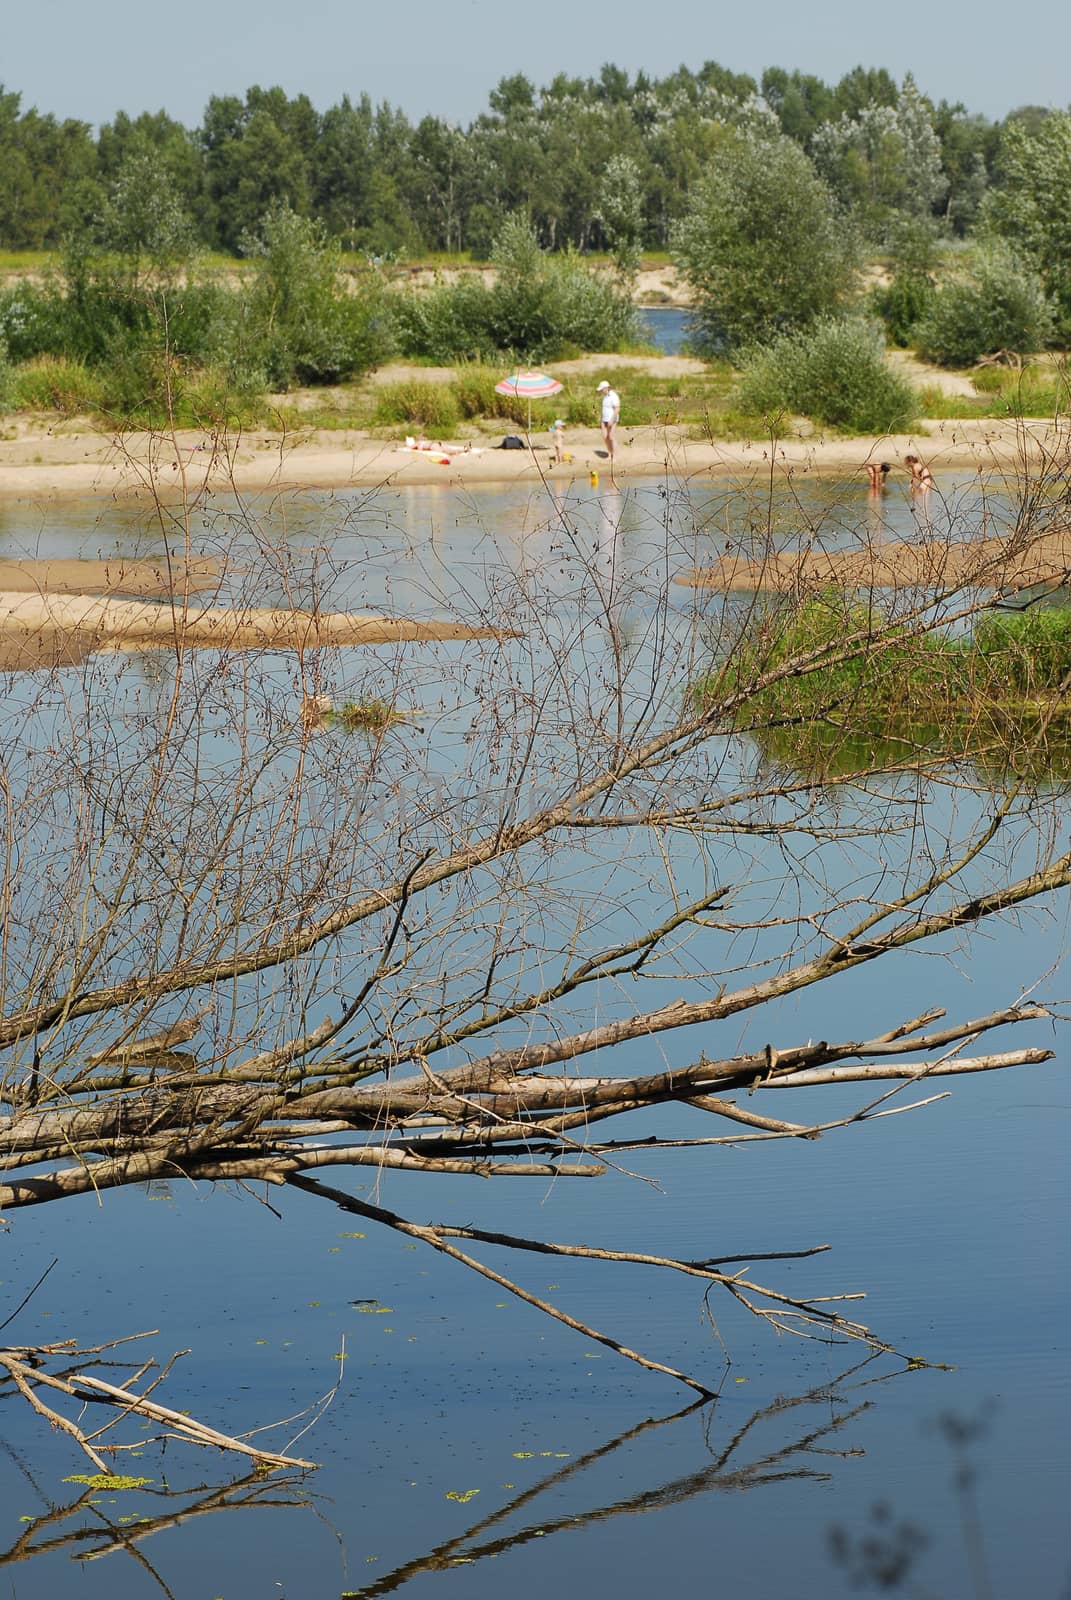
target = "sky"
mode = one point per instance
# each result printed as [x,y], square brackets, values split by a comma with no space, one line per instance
[91,58]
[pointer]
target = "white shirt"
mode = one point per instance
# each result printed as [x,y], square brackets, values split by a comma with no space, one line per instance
[611,405]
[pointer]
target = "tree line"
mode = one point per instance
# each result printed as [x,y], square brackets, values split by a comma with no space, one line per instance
[588,159]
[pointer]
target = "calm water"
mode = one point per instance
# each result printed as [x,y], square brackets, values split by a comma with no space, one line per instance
[590,1479]
[665,326]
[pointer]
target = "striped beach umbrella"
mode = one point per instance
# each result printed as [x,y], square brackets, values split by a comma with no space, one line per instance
[529,386]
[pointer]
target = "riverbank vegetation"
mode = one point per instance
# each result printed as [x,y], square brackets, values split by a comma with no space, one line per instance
[998,693]
[263,250]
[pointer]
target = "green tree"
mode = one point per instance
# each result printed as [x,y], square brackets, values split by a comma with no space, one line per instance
[41,162]
[258,155]
[762,246]
[177,152]
[621,214]
[883,160]
[863,87]
[1031,207]
[800,102]
[143,219]
[968,152]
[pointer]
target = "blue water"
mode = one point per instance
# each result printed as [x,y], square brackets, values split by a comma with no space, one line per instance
[666,327]
[588,1477]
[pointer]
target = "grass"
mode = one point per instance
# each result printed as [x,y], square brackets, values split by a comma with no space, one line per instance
[25,260]
[367,716]
[702,403]
[52,383]
[468,403]
[1042,388]
[995,697]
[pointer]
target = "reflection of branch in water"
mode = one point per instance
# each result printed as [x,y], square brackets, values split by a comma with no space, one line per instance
[721,1473]
[87,1542]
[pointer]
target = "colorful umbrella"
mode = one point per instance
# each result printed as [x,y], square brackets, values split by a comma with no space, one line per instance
[529,386]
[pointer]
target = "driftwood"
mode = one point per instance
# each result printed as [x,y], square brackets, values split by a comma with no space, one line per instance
[61,1370]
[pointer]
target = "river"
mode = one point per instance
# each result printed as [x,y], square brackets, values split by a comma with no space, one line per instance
[474,1448]
[667,327]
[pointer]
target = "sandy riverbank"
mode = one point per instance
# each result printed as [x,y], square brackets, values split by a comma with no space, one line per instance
[45,465]
[45,629]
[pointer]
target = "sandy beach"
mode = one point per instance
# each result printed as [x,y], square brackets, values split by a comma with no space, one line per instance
[51,463]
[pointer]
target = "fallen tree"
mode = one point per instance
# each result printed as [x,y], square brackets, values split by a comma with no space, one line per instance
[241,946]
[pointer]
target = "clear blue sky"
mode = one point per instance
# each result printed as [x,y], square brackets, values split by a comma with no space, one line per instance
[91,58]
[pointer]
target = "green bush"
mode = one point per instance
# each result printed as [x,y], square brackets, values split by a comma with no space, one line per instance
[301,321]
[901,305]
[430,406]
[55,383]
[448,323]
[834,371]
[539,307]
[999,303]
[1024,652]
[34,321]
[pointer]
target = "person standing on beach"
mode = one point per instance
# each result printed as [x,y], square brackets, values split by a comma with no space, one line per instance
[611,415]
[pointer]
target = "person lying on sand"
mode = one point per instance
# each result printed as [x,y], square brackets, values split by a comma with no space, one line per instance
[443,454]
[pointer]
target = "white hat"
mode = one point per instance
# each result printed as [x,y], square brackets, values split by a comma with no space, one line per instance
[602,385]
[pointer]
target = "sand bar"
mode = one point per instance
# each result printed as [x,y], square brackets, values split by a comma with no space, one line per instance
[39,630]
[932,564]
[64,575]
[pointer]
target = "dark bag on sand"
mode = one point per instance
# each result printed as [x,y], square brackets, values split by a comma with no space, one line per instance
[511,442]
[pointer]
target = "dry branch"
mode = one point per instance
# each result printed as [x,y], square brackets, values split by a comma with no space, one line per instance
[26,1367]
[236,948]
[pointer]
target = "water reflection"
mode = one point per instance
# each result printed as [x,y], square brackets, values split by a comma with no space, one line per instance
[96,1523]
[806,1440]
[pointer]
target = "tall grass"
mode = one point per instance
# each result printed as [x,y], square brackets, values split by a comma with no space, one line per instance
[899,694]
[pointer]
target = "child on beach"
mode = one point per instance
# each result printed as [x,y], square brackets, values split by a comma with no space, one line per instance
[557,439]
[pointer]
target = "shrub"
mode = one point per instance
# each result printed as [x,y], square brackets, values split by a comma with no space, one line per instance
[431,406]
[835,372]
[539,307]
[901,305]
[34,321]
[450,322]
[54,383]
[303,322]
[998,304]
